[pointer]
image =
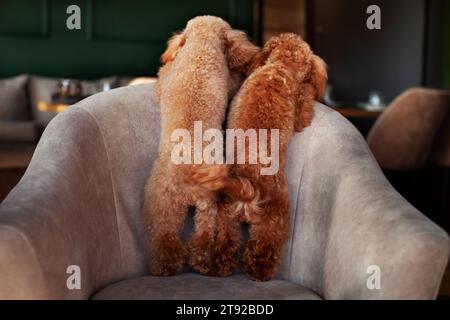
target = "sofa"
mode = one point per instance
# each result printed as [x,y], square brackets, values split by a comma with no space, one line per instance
[79,204]
[22,121]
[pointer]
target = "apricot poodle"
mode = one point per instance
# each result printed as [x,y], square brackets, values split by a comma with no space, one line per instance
[195,83]
[285,80]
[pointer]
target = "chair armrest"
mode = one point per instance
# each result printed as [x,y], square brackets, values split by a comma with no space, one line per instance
[60,214]
[351,218]
[373,225]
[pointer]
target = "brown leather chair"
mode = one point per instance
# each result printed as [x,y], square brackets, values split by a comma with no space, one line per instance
[403,136]
[411,142]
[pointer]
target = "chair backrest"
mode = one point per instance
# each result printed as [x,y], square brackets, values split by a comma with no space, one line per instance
[403,135]
[332,178]
[129,120]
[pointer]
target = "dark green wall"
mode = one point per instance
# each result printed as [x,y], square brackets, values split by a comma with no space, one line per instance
[117,37]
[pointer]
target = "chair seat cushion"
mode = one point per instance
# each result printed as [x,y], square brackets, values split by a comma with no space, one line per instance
[189,286]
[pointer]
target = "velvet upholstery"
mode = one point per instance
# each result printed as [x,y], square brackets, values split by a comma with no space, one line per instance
[191,286]
[80,203]
[403,136]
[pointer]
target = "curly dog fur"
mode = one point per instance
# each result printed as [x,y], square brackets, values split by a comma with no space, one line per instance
[195,83]
[286,78]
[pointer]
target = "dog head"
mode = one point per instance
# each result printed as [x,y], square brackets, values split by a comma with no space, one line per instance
[292,51]
[237,48]
[308,70]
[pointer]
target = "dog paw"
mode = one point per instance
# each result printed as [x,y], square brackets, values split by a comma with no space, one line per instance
[168,257]
[199,255]
[223,267]
[225,260]
[261,263]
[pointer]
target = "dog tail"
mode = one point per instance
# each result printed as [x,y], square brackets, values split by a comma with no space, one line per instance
[208,180]
[216,180]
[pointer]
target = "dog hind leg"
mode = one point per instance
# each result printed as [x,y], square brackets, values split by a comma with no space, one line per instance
[165,210]
[199,244]
[265,246]
[227,241]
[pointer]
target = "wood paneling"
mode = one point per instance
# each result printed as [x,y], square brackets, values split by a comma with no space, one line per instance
[284,16]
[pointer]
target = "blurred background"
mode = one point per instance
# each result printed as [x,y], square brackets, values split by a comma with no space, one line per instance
[391,83]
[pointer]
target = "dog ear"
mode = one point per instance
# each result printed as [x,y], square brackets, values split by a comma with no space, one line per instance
[311,90]
[259,60]
[319,76]
[173,47]
[304,110]
[262,56]
[162,74]
[240,51]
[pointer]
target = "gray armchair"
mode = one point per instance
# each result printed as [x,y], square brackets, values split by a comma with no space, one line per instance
[80,202]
